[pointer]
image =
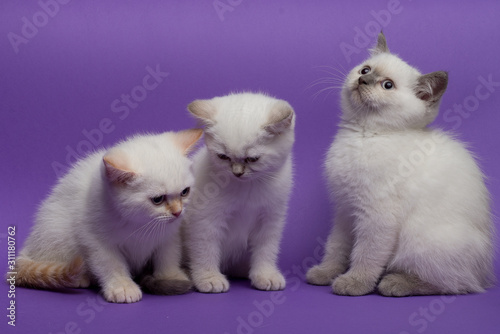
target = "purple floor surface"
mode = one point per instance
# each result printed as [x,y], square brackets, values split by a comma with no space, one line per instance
[76,75]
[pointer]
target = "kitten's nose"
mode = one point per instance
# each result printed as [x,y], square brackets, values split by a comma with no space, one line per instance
[175,207]
[367,79]
[362,81]
[238,169]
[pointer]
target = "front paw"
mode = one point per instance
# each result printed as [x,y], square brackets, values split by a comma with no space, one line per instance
[122,291]
[271,280]
[352,285]
[319,275]
[212,282]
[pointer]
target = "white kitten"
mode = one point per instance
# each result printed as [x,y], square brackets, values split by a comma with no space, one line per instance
[114,212]
[411,204]
[243,182]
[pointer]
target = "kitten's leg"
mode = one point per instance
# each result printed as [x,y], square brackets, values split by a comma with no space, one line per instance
[168,277]
[264,243]
[112,272]
[374,241]
[204,251]
[337,250]
[84,281]
[402,284]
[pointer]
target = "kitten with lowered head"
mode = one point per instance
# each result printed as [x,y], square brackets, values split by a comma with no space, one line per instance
[243,178]
[412,212]
[114,217]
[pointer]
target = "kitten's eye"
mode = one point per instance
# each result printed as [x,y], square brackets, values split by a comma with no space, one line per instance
[223,156]
[158,200]
[365,70]
[387,84]
[251,159]
[185,192]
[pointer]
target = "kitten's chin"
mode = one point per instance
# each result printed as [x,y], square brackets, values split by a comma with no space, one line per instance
[359,100]
[241,178]
[169,219]
[355,98]
[245,177]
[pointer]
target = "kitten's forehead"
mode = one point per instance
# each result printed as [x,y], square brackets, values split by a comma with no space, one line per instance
[240,119]
[169,179]
[391,66]
[245,109]
[160,162]
[232,140]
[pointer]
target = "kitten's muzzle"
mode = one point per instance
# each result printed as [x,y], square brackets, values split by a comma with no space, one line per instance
[238,169]
[367,79]
[175,207]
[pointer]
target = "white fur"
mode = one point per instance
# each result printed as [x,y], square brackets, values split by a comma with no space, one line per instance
[116,228]
[407,198]
[234,224]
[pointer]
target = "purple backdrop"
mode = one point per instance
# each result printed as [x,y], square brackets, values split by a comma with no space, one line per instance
[80,74]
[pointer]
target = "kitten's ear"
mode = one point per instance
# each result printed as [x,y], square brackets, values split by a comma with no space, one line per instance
[280,119]
[187,138]
[116,168]
[381,46]
[431,87]
[203,110]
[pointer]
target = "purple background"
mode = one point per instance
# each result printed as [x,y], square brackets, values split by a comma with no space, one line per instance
[63,81]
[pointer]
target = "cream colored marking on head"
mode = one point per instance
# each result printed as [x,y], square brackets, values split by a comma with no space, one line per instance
[174,206]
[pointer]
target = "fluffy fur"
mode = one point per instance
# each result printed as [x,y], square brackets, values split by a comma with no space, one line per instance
[243,181]
[411,208]
[100,224]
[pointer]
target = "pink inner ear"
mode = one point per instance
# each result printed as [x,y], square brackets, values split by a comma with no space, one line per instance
[281,118]
[116,168]
[203,110]
[187,138]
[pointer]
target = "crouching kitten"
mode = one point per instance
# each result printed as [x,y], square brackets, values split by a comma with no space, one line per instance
[412,214]
[112,218]
[243,179]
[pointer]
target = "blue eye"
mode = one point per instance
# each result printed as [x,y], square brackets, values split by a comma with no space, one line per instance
[185,192]
[158,200]
[223,157]
[387,84]
[251,159]
[365,70]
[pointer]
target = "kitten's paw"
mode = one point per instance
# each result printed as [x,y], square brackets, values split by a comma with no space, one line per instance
[319,275]
[352,285]
[272,280]
[211,283]
[125,291]
[402,285]
[393,285]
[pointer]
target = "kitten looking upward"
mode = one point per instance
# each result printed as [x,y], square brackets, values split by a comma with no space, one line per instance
[412,211]
[112,217]
[243,182]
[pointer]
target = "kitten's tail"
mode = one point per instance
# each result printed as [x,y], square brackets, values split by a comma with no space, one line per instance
[49,275]
[165,287]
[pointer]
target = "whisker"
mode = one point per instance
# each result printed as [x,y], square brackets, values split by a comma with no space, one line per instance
[150,233]
[142,230]
[339,73]
[334,80]
[138,230]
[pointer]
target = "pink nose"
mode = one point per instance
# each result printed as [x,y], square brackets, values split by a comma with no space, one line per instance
[177,214]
